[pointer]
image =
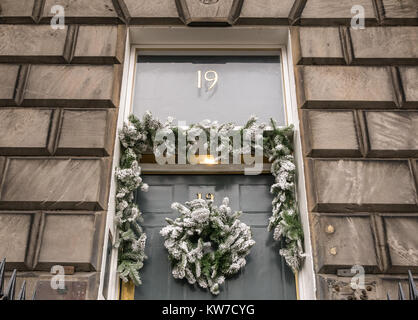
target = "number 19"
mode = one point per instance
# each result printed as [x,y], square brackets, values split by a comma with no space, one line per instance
[210,76]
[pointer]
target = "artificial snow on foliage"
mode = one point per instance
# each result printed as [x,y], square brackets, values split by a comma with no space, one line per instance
[138,136]
[206,244]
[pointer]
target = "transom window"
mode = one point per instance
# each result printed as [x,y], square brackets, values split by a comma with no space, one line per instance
[223,86]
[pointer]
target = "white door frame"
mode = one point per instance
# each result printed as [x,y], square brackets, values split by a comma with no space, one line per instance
[233,38]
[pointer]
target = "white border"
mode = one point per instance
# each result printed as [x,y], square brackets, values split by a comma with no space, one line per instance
[125,98]
[236,38]
[306,276]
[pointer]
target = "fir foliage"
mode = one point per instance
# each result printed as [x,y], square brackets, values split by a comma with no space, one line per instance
[137,137]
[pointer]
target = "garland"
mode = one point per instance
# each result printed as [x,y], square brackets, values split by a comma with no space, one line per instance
[206,243]
[137,137]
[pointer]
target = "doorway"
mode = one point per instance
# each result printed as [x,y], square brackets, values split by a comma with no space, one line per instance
[266,275]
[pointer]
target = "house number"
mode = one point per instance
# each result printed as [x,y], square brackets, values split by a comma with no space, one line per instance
[210,76]
[209,196]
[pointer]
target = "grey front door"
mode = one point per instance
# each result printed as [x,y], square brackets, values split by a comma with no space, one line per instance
[266,275]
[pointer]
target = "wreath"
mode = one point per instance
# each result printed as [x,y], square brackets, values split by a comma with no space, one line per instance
[206,244]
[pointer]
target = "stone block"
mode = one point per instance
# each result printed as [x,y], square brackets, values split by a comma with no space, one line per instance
[198,9]
[61,184]
[342,242]
[72,86]
[331,134]
[86,132]
[392,134]
[32,44]
[81,286]
[15,234]
[327,12]
[221,13]
[265,12]
[12,11]
[376,287]
[100,44]
[332,287]
[157,11]
[83,11]
[25,131]
[343,86]
[409,78]
[400,12]
[317,45]
[389,45]
[402,243]
[365,186]
[9,74]
[69,240]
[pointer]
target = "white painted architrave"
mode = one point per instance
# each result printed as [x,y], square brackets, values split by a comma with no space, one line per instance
[244,39]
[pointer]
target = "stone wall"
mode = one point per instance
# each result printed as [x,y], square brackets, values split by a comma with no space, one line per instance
[357,98]
[358,104]
[59,95]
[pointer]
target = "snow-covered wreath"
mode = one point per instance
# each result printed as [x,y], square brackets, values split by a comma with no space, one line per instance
[138,136]
[206,243]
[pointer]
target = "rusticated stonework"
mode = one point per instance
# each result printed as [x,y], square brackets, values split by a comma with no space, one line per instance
[357,93]
[357,99]
[58,97]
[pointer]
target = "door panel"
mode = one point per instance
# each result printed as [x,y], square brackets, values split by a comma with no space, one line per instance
[266,275]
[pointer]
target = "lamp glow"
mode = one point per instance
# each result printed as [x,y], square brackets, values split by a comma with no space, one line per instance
[208,159]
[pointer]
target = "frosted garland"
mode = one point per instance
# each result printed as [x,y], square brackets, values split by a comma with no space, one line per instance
[284,221]
[137,137]
[206,243]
